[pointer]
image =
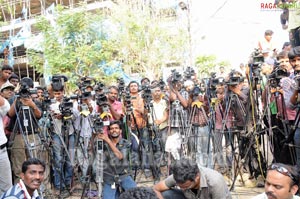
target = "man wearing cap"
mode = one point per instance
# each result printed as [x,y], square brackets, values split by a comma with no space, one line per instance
[25,136]
[7,90]
[281,182]
[5,167]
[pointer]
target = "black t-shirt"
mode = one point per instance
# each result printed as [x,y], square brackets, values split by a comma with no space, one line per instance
[25,118]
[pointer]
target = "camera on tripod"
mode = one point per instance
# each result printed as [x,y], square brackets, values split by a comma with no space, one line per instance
[66,107]
[147,95]
[234,79]
[121,84]
[276,76]
[214,81]
[189,73]
[256,61]
[128,104]
[175,76]
[25,91]
[58,82]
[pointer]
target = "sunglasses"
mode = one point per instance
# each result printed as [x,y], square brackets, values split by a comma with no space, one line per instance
[282,170]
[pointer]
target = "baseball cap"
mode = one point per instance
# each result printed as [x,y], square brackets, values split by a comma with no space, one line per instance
[7,85]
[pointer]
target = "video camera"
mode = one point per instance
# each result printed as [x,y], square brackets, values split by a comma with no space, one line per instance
[256,61]
[276,76]
[147,95]
[175,76]
[58,82]
[188,73]
[214,81]
[234,79]
[66,107]
[121,84]
[26,88]
[128,104]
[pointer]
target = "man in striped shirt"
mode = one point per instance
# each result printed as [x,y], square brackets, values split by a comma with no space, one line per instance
[31,178]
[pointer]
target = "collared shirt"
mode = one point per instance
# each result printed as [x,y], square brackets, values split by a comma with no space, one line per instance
[19,191]
[3,110]
[264,196]
[212,186]
[112,165]
[118,107]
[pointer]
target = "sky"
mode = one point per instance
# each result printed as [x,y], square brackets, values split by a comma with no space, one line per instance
[230,29]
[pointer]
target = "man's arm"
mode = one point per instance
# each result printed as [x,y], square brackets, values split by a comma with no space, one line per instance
[114,149]
[160,187]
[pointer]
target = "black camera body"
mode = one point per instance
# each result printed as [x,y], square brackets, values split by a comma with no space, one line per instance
[147,95]
[188,73]
[175,76]
[66,107]
[276,76]
[58,82]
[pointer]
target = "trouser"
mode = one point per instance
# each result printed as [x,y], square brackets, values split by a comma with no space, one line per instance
[21,152]
[63,164]
[83,155]
[110,192]
[222,149]
[5,168]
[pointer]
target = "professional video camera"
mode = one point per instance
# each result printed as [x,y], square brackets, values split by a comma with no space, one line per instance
[255,63]
[121,84]
[214,81]
[101,99]
[99,86]
[98,124]
[189,73]
[161,83]
[58,82]
[198,90]
[234,79]
[128,104]
[26,89]
[66,107]
[175,76]
[147,95]
[276,76]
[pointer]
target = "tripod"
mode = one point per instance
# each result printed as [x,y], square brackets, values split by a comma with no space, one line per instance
[233,103]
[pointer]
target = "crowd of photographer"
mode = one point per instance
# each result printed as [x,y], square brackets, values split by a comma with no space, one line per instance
[114,135]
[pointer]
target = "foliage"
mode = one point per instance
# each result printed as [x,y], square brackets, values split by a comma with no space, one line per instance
[80,43]
[209,63]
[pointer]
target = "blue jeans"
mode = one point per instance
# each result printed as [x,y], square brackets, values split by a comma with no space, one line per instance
[126,183]
[61,165]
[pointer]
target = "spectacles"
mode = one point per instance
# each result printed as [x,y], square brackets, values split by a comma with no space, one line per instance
[282,170]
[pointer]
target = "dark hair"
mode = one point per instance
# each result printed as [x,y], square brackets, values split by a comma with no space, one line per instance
[7,67]
[113,87]
[32,161]
[294,52]
[268,32]
[133,82]
[282,55]
[184,170]
[145,78]
[115,122]
[292,172]
[27,81]
[13,76]
[139,193]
